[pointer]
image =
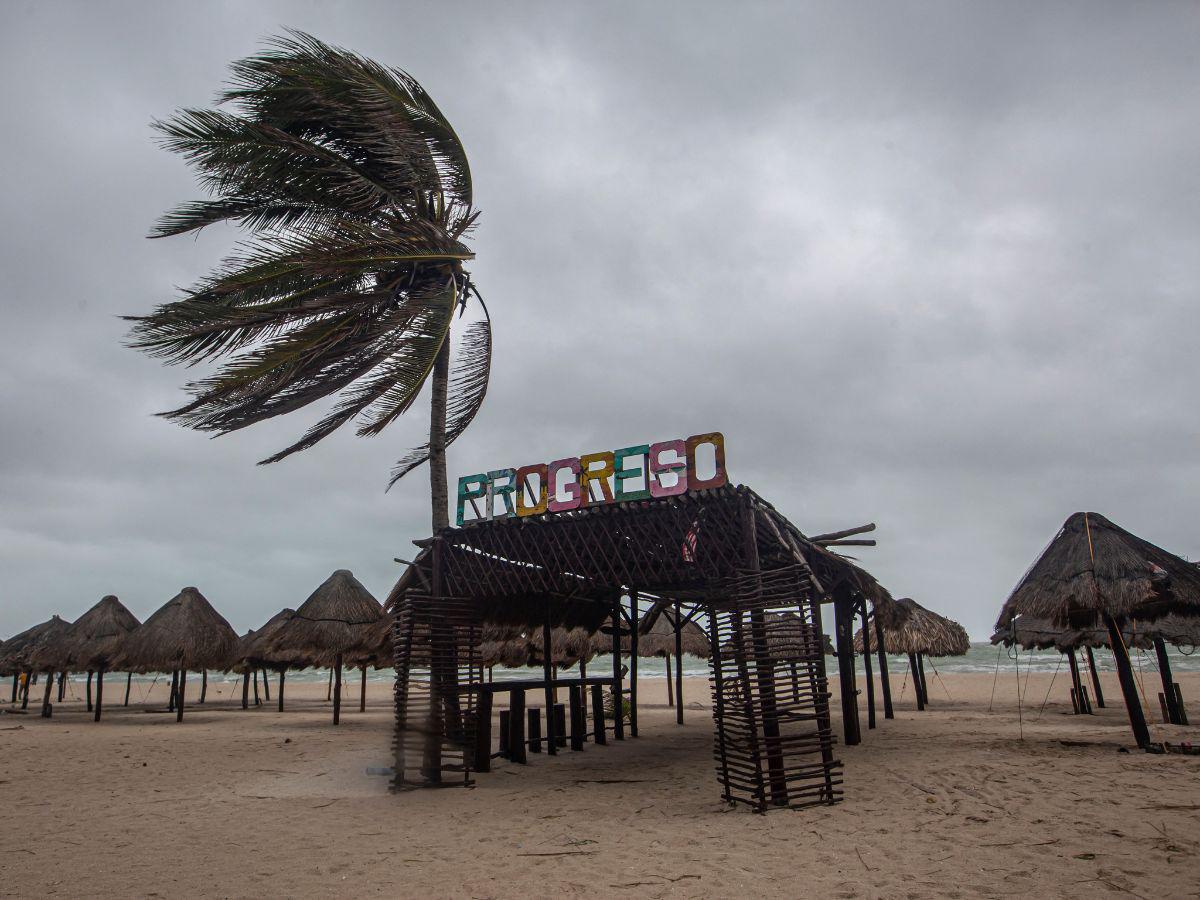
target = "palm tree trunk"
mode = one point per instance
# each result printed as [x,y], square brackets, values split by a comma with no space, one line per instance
[438,492]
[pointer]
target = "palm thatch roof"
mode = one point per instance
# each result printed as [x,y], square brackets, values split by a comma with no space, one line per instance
[338,619]
[919,630]
[1094,568]
[253,649]
[1028,633]
[92,643]
[656,635]
[185,633]
[515,647]
[1038,634]
[16,654]
[788,637]
[1181,631]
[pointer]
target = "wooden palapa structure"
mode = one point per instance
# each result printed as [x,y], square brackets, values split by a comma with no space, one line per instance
[1095,574]
[185,634]
[724,551]
[918,633]
[336,621]
[90,645]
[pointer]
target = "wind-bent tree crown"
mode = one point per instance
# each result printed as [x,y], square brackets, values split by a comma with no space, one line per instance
[356,193]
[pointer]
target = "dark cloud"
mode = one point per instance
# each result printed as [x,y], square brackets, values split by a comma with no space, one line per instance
[928,265]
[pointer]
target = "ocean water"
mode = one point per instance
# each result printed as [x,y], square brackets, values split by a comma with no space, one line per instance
[982,658]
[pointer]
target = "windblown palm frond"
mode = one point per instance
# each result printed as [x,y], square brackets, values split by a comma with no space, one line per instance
[468,387]
[357,195]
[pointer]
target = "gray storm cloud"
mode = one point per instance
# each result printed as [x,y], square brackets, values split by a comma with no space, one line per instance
[932,266]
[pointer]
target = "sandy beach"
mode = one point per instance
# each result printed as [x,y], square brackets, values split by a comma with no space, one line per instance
[949,802]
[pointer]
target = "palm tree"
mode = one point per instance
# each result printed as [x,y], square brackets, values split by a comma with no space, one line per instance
[356,194]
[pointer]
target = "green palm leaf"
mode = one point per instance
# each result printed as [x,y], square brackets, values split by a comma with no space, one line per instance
[468,387]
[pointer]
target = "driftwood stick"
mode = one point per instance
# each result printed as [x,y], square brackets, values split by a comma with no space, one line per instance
[838,535]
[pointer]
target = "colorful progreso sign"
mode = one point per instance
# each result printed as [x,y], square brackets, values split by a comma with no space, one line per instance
[610,476]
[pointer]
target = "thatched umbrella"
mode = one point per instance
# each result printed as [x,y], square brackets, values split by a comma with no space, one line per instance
[90,645]
[335,621]
[665,631]
[253,655]
[919,632]
[1096,574]
[17,654]
[185,633]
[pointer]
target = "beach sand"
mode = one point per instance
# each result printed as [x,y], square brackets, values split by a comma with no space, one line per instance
[949,802]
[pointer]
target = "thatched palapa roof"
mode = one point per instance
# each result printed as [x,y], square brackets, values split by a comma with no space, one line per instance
[1038,634]
[92,643]
[515,647]
[918,630]
[17,652]
[656,635]
[185,633]
[338,619]
[1094,568]
[253,649]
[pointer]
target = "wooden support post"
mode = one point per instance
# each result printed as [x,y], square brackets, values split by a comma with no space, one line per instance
[181,695]
[25,692]
[245,690]
[1137,719]
[99,693]
[203,685]
[843,618]
[578,722]
[924,683]
[764,668]
[583,679]
[678,666]
[174,691]
[257,701]
[89,692]
[1183,719]
[47,709]
[885,683]
[718,693]
[505,731]
[598,714]
[634,622]
[535,729]
[1091,658]
[516,722]
[62,686]
[560,726]
[670,686]
[867,674]
[551,724]
[266,684]
[434,727]
[337,690]
[1076,684]
[128,685]
[916,680]
[483,732]
[618,691]
[280,691]
[362,692]
[1164,671]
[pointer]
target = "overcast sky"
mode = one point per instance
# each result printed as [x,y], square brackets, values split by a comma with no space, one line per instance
[932,266]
